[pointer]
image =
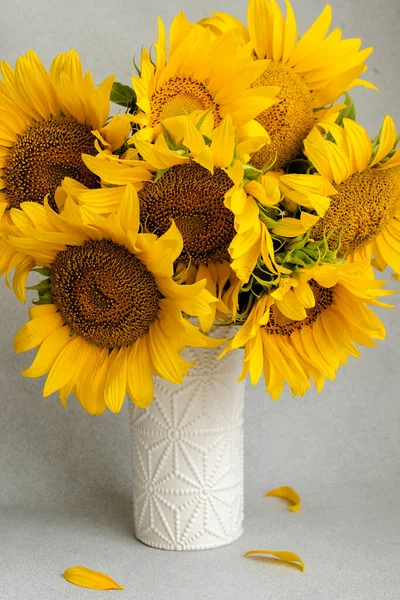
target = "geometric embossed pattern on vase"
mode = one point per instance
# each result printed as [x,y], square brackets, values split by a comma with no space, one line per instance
[188,457]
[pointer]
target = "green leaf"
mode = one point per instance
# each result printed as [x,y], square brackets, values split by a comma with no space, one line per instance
[123,95]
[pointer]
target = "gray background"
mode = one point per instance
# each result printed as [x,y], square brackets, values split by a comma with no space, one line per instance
[65,476]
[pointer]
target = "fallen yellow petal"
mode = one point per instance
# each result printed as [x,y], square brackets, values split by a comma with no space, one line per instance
[289,494]
[90,579]
[283,555]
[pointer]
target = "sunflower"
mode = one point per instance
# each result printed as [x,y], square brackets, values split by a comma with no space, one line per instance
[194,165]
[308,326]
[256,206]
[364,214]
[311,72]
[111,314]
[46,123]
[201,72]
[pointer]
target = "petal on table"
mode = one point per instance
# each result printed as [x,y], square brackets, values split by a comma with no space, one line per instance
[289,494]
[283,555]
[87,578]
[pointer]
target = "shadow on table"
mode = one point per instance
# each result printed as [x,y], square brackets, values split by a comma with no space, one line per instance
[102,509]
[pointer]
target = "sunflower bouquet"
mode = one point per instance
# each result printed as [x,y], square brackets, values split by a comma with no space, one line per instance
[233,187]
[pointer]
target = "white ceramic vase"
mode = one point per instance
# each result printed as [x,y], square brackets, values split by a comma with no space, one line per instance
[188,457]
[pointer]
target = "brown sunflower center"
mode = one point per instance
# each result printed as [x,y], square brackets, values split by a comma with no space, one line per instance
[104,293]
[181,96]
[362,208]
[194,198]
[43,155]
[289,121]
[278,324]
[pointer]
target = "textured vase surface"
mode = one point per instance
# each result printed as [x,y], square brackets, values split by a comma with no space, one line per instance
[188,457]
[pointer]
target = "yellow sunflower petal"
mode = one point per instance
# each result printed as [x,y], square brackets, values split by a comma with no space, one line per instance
[67,366]
[223,143]
[290,307]
[290,33]
[255,357]
[165,358]
[387,140]
[287,493]
[116,384]
[117,130]
[162,253]
[36,331]
[315,150]
[128,211]
[114,172]
[207,321]
[313,37]
[89,389]
[392,162]
[258,17]
[84,577]
[140,378]
[282,555]
[289,227]
[205,159]
[48,352]
[359,145]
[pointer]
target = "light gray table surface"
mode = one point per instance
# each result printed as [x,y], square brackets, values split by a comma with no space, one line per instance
[65,482]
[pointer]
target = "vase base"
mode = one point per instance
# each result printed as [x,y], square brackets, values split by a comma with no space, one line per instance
[190,547]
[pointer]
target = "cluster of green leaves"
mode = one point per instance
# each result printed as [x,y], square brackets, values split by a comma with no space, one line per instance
[303,253]
[294,255]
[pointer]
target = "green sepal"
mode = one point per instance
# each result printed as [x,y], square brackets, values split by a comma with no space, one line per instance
[349,112]
[235,154]
[299,258]
[268,215]
[301,252]
[43,285]
[251,173]
[201,120]
[172,145]
[45,297]
[123,95]
[269,166]
[159,174]
[45,271]
[136,66]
